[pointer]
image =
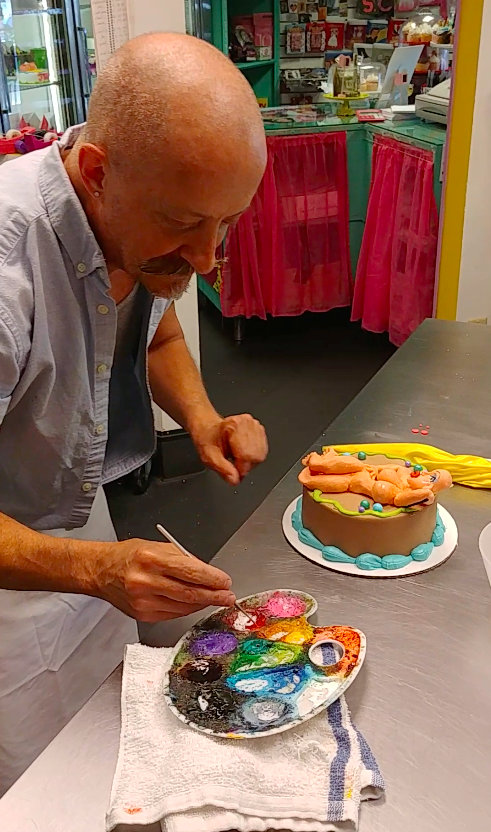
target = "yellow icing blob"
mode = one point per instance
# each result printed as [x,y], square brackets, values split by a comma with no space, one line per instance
[291,631]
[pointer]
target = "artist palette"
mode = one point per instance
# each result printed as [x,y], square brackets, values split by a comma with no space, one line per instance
[245,676]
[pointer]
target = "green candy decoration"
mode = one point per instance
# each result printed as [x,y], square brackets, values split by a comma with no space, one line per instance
[418,468]
[365,504]
[362,455]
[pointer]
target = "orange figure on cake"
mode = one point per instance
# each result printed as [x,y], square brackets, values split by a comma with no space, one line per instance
[387,484]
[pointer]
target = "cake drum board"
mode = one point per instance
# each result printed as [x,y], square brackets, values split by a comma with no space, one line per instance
[439,555]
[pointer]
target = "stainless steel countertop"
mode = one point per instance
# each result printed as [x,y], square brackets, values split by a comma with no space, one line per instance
[423,699]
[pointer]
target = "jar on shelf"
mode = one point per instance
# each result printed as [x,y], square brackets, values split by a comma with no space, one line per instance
[346,81]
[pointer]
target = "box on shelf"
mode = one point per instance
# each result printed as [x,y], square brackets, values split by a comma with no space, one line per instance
[377,32]
[335,35]
[316,40]
[295,39]
[394,33]
[355,33]
[263,35]
[242,40]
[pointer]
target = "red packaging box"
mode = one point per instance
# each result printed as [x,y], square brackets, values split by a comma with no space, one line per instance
[335,35]
[316,37]
[355,33]
[263,35]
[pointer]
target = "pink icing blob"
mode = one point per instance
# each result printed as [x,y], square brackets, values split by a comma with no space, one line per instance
[285,606]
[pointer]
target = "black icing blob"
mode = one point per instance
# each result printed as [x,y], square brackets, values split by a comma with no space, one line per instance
[209,705]
[202,670]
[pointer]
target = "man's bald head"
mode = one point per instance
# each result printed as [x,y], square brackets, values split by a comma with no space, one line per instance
[172,153]
[162,93]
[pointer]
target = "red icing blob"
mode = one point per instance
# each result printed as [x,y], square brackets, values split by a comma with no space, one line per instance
[414,430]
[236,619]
[424,433]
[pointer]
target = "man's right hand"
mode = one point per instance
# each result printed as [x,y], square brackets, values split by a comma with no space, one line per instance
[153,581]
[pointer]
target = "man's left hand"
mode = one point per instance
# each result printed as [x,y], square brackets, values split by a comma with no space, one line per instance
[231,446]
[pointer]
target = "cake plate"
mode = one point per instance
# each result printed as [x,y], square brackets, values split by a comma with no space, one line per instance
[439,555]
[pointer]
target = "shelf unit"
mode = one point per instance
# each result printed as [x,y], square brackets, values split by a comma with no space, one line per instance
[263,76]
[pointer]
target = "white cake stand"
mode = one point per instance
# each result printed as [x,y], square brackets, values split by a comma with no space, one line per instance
[439,555]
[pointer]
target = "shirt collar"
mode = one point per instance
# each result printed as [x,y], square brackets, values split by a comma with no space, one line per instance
[64,209]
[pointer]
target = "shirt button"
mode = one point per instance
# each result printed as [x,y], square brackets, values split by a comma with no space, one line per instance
[101,368]
[102,309]
[82,268]
[87,486]
[100,429]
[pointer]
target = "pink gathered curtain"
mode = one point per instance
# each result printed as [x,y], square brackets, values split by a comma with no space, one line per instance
[395,278]
[289,252]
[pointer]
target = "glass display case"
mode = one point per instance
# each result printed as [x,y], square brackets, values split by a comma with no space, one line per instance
[87,33]
[44,65]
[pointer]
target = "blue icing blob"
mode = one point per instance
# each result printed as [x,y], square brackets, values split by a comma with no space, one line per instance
[395,561]
[422,552]
[335,555]
[297,516]
[307,537]
[368,562]
[439,533]
[281,681]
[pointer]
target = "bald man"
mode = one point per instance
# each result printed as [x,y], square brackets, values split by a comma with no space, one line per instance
[100,233]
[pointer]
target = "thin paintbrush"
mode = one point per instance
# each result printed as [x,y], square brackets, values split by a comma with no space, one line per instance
[163,531]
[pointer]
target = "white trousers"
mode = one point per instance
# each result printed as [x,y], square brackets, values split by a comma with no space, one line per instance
[56,649]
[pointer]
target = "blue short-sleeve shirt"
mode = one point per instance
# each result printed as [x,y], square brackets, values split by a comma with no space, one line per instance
[58,385]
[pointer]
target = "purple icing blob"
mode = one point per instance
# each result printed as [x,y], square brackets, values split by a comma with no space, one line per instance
[213,644]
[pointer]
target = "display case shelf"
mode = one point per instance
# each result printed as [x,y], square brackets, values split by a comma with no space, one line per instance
[254,64]
[25,12]
[32,86]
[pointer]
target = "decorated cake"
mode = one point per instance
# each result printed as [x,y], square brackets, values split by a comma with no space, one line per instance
[374,510]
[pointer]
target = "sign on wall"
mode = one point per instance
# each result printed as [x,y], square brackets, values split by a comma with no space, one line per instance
[110,18]
[374,8]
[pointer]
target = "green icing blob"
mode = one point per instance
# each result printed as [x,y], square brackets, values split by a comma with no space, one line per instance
[255,654]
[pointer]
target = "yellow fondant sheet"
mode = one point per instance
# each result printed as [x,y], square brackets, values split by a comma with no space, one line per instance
[473,471]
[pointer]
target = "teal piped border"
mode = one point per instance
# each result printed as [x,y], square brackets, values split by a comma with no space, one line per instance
[368,562]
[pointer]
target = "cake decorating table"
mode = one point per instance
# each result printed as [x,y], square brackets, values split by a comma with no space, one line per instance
[423,698]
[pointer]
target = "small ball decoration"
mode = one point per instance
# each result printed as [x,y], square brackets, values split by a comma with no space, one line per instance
[365,504]
[407,463]
[378,507]
[361,509]
[346,453]
[362,455]
[418,468]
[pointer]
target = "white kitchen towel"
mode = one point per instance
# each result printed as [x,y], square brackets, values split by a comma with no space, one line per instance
[309,779]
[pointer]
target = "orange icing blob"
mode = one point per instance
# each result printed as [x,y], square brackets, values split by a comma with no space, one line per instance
[350,641]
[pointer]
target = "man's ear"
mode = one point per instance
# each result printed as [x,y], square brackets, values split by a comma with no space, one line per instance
[92,164]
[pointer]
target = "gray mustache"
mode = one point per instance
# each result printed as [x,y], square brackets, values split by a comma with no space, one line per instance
[162,267]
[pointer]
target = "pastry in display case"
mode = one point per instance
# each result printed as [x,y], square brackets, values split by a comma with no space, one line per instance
[44,65]
[372,76]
